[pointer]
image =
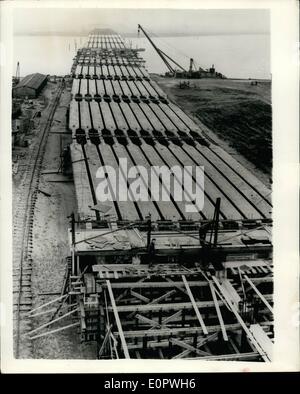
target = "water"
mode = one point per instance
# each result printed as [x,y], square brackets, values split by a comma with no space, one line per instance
[236,56]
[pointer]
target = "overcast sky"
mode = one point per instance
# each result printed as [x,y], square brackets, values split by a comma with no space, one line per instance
[125,21]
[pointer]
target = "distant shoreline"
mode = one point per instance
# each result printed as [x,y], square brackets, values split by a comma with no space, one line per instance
[134,35]
[215,79]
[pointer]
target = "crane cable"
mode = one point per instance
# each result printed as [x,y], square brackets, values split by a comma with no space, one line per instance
[169,45]
[196,65]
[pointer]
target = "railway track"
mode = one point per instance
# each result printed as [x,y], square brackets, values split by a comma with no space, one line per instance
[23,242]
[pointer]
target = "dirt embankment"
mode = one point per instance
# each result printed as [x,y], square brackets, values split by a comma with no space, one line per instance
[237,112]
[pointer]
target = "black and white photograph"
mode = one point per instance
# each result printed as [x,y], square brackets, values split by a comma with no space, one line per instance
[142,174]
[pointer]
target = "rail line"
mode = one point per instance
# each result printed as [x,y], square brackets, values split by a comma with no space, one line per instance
[23,237]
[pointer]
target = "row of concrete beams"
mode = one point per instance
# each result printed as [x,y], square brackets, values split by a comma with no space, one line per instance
[82,186]
[180,120]
[107,37]
[109,60]
[111,71]
[243,198]
[105,41]
[93,89]
[98,55]
[128,209]
[169,211]
[129,53]
[187,120]
[103,44]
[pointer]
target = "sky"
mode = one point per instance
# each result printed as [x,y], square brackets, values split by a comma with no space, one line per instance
[124,21]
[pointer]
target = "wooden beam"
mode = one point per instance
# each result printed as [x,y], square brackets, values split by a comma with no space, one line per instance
[216,290]
[228,357]
[219,314]
[120,296]
[250,263]
[151,285]
[201,342]
[259,293]
[172,317]
[233,345]
[139,296]
[44,312]
[82,315]
[189,316]
[204,341]
[139,281]
[178,286]
[263,339]
[119,325]
[163,343]
[53,321]
[264,279]
[166,307]
[177,331]
[188,347]
[56,330]
[162,297]
[194,305]
[146,320]
[48,303]
[105,340]
[153,323]
[242,323]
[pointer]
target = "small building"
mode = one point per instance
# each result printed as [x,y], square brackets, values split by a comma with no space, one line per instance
[30,86]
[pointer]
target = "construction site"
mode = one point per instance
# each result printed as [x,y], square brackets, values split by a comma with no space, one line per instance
[137,278]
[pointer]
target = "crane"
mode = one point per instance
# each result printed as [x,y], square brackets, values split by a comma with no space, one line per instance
[162,54]
[192,72]
[16,78]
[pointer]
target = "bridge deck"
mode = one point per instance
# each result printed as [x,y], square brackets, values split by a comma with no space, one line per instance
[118,112]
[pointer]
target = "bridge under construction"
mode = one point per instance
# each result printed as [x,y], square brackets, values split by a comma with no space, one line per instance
[146,279]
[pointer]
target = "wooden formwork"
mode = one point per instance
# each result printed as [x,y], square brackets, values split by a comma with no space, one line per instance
[174,312]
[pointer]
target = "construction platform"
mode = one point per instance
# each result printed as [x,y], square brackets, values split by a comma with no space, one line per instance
[148,279]
[121,116]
